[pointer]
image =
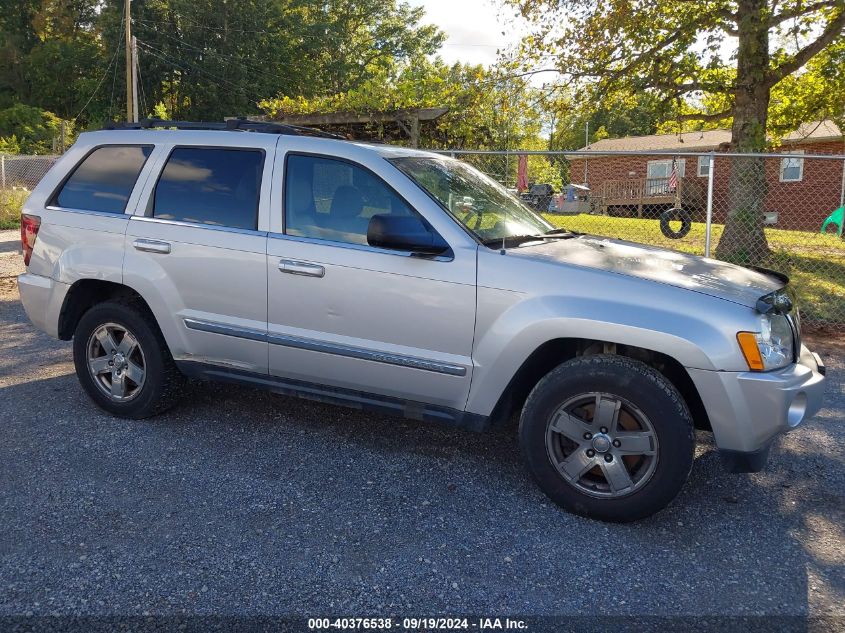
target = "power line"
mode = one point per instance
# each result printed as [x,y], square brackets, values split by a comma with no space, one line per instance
[157,52]
[219,28]
[141,85]
[106,72]
[228,58]
[188,67]
[114,75]
[445,44]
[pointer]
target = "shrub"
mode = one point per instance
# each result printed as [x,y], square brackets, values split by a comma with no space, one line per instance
[10,145]
[30,130]
[11,204]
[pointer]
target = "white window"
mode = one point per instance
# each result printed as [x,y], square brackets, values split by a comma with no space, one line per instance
[792,169]
[657,176]
[703,166]
[663,168]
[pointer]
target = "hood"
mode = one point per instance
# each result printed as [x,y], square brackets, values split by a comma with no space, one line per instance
[699,274]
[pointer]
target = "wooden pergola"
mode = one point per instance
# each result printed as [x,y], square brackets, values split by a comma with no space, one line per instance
[369,125]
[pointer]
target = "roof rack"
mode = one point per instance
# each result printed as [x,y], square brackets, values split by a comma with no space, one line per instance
[239,125]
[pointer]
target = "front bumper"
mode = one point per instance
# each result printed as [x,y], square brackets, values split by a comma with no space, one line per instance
[748,410]
[42,299]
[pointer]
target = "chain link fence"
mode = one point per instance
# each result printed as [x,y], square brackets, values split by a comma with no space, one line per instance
[18,176]
[781,211]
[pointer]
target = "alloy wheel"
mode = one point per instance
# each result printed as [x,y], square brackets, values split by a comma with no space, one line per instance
[116,362]
[602,445]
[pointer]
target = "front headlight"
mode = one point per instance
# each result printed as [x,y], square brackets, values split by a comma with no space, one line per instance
[772,347]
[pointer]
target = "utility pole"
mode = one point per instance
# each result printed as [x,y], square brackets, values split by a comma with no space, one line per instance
[129,107]
[134,79]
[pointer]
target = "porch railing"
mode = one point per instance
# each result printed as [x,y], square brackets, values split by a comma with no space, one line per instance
[637,188]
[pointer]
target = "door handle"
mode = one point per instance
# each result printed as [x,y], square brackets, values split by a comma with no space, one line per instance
[152,246]
[301,268]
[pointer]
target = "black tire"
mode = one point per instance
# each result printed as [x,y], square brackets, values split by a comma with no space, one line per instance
[674,215]
[163,383]
[644,390]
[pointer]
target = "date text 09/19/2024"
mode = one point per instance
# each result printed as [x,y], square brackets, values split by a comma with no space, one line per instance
[418,624]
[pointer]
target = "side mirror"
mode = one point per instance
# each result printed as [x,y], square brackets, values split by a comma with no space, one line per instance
[404,233]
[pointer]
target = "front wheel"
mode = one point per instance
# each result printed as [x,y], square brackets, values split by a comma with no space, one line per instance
[607,437]
[122,361]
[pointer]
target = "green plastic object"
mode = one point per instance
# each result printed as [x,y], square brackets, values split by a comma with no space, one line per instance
[835,218]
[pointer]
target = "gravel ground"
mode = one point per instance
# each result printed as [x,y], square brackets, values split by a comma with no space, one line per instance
[239,502]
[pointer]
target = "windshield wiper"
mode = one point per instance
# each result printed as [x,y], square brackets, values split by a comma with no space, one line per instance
[516,240]
[564,233]
[512,240]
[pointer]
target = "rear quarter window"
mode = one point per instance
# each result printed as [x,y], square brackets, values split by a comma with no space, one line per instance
[104,179]
[214,186]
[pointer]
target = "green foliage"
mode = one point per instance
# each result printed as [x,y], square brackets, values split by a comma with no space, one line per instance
[50,54]
[10,145]
[485,111]
[816,94]
[200,59]
[206,59]
[28,130]
[363,39]
[635,67]
[623,113]
[676,50]
[709,61]
[11,204]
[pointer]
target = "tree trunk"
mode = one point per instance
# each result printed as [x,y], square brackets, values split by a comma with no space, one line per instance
[743,240]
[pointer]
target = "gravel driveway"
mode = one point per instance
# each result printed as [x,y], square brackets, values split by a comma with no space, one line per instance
[240,502]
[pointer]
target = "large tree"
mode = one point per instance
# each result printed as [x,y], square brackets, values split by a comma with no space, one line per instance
[211,58]
[50,54]
[630,112]
[353,41]
[688,52]
[201,59]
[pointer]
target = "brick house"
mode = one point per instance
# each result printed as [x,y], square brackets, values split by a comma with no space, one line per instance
[800,192]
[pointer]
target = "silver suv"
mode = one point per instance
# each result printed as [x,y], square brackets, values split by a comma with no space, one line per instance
[407,283]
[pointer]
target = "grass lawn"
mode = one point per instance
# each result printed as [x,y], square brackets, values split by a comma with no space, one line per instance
[814,262]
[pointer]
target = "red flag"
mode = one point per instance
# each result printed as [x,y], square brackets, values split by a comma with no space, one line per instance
[673,177]
[522,173]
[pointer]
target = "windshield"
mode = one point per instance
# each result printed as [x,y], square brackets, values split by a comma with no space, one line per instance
[478,202]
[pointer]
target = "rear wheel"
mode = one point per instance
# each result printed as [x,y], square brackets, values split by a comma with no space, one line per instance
[607,437]
[122,361]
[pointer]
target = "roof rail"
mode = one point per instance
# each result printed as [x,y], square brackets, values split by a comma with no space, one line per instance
[239,124]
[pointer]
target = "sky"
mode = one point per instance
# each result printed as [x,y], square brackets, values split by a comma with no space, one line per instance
[474,28]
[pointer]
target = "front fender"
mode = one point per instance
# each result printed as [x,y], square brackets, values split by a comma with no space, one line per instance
[512,326]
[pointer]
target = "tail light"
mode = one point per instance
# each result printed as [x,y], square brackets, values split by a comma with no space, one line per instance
[29,231]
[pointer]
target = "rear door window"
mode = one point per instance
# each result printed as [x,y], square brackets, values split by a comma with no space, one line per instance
[215,186]
[104,180]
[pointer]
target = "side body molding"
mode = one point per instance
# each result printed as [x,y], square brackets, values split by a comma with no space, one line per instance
[326,347]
